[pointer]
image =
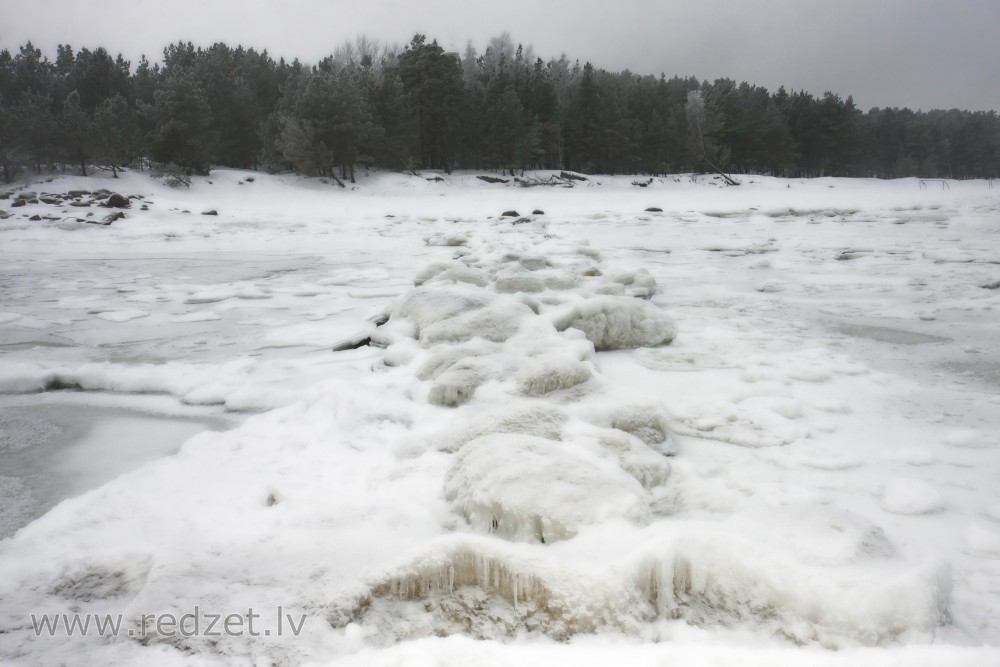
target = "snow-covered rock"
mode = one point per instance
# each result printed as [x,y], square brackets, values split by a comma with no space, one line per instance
[526,488]
[615,323]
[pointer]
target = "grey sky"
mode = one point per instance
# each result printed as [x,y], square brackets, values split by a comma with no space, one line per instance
[916,53]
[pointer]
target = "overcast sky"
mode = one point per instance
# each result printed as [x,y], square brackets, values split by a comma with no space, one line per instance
[917,53]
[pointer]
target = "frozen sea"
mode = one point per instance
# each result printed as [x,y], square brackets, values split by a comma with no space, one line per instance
[681,423]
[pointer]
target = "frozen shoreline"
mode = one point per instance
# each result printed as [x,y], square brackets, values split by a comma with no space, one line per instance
[830,393]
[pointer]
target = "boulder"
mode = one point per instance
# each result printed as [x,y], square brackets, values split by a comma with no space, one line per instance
[116,200]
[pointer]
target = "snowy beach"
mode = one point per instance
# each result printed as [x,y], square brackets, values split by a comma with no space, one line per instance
[680,422]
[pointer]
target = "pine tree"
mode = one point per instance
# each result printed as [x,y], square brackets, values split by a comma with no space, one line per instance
[77,132]
[117,132]
[181,123]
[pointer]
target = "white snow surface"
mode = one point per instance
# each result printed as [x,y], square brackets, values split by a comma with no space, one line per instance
[760,427]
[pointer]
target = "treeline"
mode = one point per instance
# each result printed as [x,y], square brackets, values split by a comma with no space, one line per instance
[419,107]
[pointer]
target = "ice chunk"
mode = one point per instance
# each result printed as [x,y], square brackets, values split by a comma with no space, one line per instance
[425,306]
[122,315]
[461,274]
[614,322]
[442,357]
[744,425]
[721,580]
[981,541]
[534,263]
[495,323]
[649,467]
[648,423]
[431,270]
[211,295]
[468,586]
[204,316]
[519,282]
[457,385]
[541,420]
[911,496]
[636,283]
[525,488]
[547,375]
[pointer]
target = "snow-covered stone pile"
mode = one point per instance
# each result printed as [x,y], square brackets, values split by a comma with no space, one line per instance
[543,456]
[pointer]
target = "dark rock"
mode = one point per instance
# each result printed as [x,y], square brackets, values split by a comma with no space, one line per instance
[521,221]
[81,204]
[78,193]
[654,209]
[4,215]
[117,215]
[6,195]
[538,211]
[992,284]
[35,218]
[144,208]
[17,203]
[249,179]
[510,214]
[34,200]
[353,343]
[116,200]
[103,191]
[49,200]
[210,212]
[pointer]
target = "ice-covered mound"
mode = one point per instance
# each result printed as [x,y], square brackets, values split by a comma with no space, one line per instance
[616,322]
[545,376]
[649,423]
[714,579]
[527,488]
[425,306]
[485,590]
[536,419]
[496,322]
[649,467]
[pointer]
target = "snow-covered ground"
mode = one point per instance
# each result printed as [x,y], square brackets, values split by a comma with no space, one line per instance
[760,425]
